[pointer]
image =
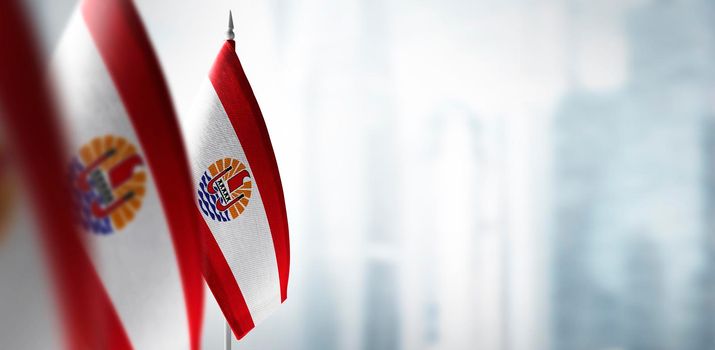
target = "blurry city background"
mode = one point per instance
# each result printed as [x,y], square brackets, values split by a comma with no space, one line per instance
[474,174]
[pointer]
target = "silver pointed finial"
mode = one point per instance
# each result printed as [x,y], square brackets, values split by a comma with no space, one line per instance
[229,34]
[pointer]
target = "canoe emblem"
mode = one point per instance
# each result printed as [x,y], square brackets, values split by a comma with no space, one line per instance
[225,189]
[109,181]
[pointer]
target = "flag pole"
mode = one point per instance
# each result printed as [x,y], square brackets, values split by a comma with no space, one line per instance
[230,35]
[228,336]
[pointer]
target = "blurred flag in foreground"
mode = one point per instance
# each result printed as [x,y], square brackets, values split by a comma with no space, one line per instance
[130,177]
[240,198]
[45,278]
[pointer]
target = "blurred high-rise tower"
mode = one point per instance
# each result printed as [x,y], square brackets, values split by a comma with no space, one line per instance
[629,218]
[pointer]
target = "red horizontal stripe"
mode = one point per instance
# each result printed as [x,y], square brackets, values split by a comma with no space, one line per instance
[234,91]
[126,51]
[223,285]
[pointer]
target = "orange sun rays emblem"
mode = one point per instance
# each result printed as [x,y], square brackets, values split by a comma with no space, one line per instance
[225,189]
[109,177]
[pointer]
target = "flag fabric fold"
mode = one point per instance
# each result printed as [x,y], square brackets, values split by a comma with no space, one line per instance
[130,176]
[243,223]
[35,301]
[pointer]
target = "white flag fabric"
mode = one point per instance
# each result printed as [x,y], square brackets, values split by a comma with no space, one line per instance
[240,197]
[130,177]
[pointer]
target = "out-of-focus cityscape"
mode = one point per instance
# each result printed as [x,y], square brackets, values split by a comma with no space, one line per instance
[474,174]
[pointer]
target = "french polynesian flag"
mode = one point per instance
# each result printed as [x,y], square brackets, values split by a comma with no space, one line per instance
[130,179]
[31,133]
[240,197]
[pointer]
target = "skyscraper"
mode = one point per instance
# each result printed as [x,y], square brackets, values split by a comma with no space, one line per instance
[629,191]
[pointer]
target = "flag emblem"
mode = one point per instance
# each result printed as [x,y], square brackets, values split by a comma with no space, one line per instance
[109,180]
[225,189]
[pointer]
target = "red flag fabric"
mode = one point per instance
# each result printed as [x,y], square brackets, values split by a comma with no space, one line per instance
[32,134]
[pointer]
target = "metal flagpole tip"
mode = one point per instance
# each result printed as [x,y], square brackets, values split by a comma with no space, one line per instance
[230,34]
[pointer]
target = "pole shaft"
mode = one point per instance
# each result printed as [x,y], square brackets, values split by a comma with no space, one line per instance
[227,339]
